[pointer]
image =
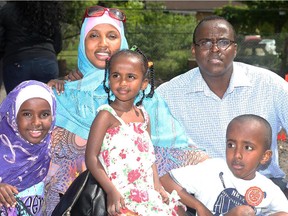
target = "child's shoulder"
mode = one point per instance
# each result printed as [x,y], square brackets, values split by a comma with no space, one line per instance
[105,111]
[105,107]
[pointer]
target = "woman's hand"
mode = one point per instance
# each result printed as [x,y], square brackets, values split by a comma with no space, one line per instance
[7,195]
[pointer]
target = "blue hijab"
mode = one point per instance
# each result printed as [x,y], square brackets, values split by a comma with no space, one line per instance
[77,106]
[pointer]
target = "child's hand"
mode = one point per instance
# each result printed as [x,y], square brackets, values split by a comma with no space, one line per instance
[115,203]
[57,84]
[164,194]
[74,75]
[241,210]
[203,211]
[7,193]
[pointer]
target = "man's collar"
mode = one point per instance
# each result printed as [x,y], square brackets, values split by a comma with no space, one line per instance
[238,79]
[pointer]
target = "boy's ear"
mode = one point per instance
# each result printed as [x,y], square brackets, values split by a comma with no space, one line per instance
[266,157]
[144,84]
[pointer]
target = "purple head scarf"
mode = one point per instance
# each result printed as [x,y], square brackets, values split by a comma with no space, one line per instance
[23,164]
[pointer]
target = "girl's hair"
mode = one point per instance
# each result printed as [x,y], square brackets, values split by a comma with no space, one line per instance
[147,69]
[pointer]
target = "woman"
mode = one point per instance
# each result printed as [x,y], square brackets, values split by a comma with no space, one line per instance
[102,34]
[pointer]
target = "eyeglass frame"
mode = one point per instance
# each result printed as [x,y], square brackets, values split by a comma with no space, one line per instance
[86,15]
[215,43]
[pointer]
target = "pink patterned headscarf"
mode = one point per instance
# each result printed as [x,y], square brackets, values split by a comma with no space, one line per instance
[104,19]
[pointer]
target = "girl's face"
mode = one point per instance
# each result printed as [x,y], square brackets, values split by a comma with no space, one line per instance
[126,78]
[34,119]
[101,42]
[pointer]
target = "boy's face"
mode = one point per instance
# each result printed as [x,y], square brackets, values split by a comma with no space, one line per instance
[34,119]
[245,148]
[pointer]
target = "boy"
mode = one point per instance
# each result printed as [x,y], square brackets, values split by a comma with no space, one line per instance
[233,187]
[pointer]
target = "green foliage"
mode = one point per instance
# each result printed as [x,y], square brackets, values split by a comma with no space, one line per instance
[174,63]
[71,28]
[70,58]
[266,18]
[160,34]
[254,16]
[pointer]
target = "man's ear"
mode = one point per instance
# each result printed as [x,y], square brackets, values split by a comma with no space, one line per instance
[193,49]
[236,47]
[266,157]
[144,84]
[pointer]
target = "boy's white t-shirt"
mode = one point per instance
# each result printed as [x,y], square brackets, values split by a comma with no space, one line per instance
[212,182]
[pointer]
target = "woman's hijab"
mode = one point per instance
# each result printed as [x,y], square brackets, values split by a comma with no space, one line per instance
[23,164]
[77,106]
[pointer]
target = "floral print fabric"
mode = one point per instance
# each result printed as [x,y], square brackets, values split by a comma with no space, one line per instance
[127,155]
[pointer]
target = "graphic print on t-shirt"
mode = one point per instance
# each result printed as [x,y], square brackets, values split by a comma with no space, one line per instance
[230,198]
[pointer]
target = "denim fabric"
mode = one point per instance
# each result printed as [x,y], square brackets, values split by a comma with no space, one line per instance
[40,69]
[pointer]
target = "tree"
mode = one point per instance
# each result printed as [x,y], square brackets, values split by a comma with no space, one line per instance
[250,19]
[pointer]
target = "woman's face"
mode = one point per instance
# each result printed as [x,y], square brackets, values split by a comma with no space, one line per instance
[101,42]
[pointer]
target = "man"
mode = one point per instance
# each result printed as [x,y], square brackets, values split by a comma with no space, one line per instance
[207,98]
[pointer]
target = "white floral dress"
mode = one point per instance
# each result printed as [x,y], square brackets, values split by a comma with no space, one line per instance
[127,155]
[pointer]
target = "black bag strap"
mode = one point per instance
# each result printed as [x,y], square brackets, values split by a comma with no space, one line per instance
[86,175]
[75,190]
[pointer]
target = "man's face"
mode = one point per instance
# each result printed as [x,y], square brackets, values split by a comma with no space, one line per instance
[215,61]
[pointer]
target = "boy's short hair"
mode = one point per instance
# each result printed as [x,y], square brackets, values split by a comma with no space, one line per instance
[262,121]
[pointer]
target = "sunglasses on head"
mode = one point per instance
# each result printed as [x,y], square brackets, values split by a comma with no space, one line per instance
[97,11]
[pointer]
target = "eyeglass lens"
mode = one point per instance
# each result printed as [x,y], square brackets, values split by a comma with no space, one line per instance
[222,44]
[99,11]
[95,11]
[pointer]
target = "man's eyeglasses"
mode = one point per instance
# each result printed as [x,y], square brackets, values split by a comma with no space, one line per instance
[207,44]
[97,11]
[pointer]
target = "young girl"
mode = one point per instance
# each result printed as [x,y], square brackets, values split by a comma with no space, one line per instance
[27,117]
[119,151]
